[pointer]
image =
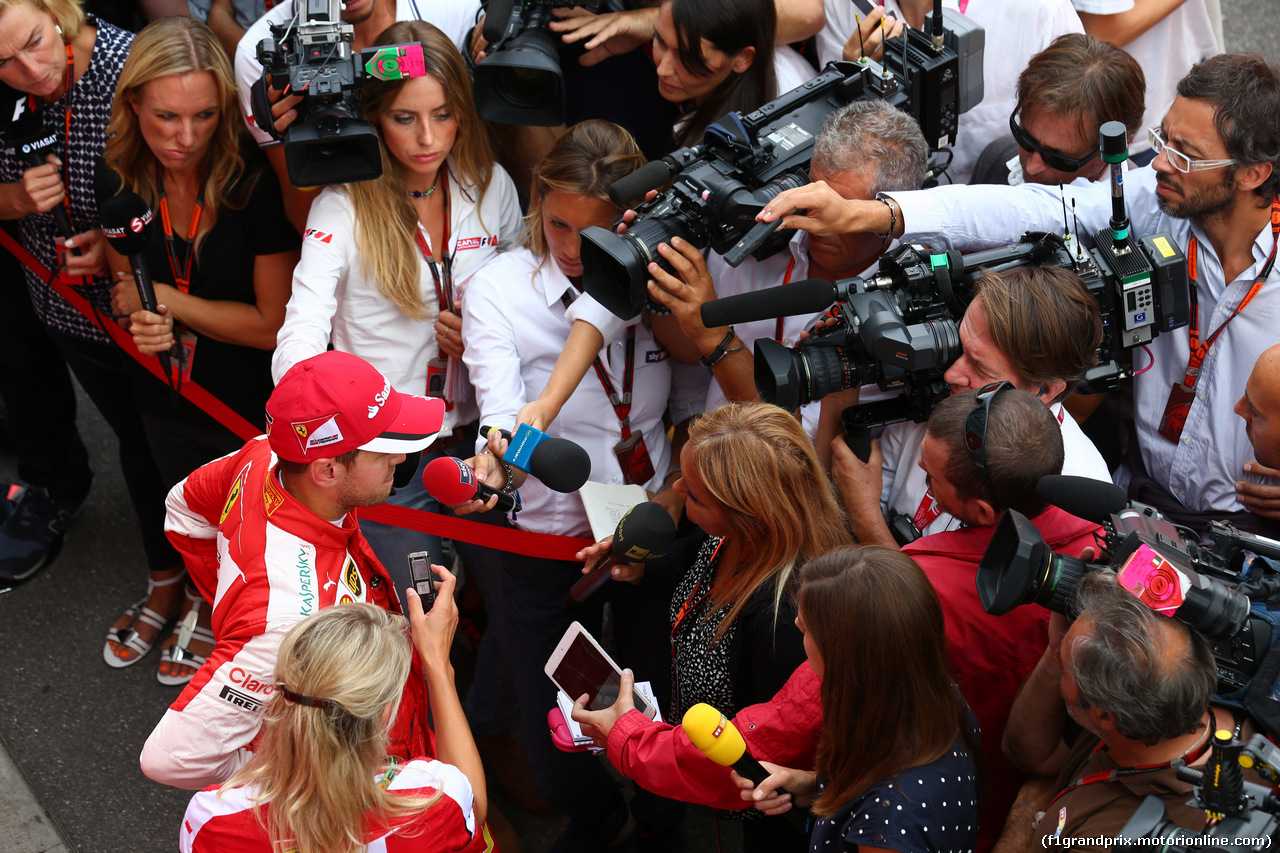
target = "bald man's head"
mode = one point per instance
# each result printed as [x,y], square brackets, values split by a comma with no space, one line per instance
[1260,408]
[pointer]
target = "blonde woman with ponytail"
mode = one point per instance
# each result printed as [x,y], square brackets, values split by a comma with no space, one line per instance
[382,259]
[320,780]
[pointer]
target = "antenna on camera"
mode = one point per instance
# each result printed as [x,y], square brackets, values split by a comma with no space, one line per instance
[936,33]
[1115,150]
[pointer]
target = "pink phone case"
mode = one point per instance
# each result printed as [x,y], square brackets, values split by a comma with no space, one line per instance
[560,734]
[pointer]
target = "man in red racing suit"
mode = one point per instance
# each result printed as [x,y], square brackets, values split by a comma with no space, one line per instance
[270,543]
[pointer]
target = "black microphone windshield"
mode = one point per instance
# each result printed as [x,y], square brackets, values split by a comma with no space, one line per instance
[561,465]
[1092,500]
[632,187]
[644,533]
[799,297]
[496,18]
[126,223]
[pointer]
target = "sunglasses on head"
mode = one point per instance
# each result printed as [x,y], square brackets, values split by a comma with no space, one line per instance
[975,429]
[1052,158]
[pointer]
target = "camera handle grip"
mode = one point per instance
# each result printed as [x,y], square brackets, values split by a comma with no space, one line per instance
[859,441]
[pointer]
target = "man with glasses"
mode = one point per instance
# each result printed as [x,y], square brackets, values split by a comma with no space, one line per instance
[983,453]
[1036,328]
[1065,94]
[1213,185]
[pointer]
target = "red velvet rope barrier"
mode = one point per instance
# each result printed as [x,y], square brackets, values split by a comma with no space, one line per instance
[542,545]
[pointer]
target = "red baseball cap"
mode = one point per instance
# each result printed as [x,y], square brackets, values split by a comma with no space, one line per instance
[336,402]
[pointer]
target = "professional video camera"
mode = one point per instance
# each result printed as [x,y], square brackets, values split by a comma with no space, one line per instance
[329,142]
[519,80]
[900,328]
[1172,574]
[744,161]
[1246,815]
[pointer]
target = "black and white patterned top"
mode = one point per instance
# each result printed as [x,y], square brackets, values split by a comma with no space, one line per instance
[91,99]
[700,669]
[933,807]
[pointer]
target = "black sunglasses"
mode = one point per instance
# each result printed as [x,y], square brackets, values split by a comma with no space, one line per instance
[975,429]
[1051,158]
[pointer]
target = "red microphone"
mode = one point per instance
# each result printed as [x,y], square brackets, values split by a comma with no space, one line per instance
[451,481]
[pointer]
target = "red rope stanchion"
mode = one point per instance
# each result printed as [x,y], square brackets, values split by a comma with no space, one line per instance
[542,545]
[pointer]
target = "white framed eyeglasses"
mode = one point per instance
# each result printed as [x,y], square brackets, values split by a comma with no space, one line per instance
[1177,159]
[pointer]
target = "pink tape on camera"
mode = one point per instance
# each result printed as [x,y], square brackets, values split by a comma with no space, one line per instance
[1155,581]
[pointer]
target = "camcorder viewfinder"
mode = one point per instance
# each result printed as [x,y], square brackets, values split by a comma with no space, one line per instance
[329,142]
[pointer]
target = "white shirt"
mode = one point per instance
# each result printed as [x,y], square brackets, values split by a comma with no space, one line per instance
[1202,468]
[1016,30]
[904,486]
[335,301]
[455,18]
[1166,53]
[514,328]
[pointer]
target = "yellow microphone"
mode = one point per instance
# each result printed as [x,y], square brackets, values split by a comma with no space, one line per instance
[719,739]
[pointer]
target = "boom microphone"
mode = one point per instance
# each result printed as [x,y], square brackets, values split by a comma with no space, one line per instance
[127,223]
[451,481]
[644,533]
[1083,497]
[798,297]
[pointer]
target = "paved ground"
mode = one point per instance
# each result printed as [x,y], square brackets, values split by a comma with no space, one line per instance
[72,727]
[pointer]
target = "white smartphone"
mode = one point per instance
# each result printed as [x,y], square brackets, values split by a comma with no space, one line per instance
[579,665]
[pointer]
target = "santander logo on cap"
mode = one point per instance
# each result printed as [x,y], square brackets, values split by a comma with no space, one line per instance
[380,399]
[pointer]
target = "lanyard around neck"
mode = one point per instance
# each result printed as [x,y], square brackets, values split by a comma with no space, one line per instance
[621,402]
[181,280]
[1200,350]
[442,273]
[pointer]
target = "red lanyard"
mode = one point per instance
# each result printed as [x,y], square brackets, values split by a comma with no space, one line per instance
[690,602]
[1189,757]
[621,404]
[181,280]
[441,274]
[1200,350]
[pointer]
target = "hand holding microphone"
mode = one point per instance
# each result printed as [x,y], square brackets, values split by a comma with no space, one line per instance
[452,482]
[126,223]
[770,788]
[558,463]
[644,533]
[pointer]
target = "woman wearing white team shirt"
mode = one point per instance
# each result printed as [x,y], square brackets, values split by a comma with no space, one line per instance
[515,328]
[378,256]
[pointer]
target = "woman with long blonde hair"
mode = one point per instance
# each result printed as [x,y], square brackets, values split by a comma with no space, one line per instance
[515,324]
[221,255]
[386,262]
[763,506]
[320,780]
